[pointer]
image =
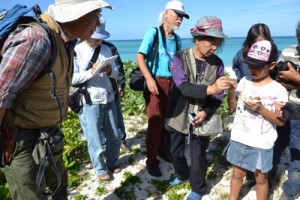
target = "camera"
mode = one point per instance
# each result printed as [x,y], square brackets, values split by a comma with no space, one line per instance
[192,116]
[283,66]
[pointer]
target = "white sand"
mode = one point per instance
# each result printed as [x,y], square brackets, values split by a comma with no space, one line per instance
[219,185]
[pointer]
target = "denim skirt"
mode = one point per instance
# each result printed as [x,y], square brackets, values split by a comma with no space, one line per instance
[250,158]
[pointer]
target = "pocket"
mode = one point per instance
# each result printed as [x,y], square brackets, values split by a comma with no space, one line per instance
[57,149]
[56,141]
[48,138]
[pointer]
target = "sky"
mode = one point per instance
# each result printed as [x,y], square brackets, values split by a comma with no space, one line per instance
[132,18]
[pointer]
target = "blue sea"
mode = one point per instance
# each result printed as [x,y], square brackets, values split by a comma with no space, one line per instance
[129,48]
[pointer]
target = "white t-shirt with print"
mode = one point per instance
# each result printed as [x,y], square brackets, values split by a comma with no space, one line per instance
[249,127]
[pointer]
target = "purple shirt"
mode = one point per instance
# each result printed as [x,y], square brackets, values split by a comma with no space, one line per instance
[179,76]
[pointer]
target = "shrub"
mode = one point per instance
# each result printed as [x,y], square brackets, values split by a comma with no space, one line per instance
[133,103]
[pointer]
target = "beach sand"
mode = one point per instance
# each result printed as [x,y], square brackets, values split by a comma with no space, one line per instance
[136,131]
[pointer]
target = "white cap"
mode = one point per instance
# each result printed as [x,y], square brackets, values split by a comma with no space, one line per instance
[177,6]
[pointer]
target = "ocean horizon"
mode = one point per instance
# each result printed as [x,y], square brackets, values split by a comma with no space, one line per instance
[128,48]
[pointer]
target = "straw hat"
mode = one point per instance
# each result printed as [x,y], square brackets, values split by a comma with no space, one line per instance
[70,10]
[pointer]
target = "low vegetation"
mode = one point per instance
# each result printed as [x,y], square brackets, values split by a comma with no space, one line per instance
[75,151]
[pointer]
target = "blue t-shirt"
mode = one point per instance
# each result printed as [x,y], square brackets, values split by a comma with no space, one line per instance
[163,59]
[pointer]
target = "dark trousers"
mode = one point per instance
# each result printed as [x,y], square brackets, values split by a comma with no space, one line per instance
[280,145]
[177,148]
[156,107]
[291,186]
[198,168]
[198,147]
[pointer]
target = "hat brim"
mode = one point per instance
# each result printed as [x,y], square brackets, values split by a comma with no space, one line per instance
[67,13]
[100,36]
[179,12]
[215,33]
[253,62]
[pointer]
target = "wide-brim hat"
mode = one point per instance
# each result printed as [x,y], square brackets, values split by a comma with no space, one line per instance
[71,10]
[261,53]
[177,7]
[208,26]
[100,33]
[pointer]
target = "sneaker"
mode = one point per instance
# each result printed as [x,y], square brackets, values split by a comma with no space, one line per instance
[154,171]
[104,177]
[175,181]
[194,196]
[115,170]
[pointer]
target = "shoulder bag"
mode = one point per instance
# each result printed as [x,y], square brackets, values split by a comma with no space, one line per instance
[210,126]
[137,80]
[78,92]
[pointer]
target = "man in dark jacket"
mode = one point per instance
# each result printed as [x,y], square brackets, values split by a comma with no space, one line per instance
[290,79]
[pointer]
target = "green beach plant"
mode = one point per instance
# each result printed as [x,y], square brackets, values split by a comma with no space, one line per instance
[125,190]
[101,191]
[133,103]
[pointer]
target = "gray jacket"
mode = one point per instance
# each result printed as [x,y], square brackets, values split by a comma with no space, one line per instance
[184,98]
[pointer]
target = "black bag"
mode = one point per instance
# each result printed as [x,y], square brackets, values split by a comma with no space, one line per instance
[137,81]
[78,92]
[76,98]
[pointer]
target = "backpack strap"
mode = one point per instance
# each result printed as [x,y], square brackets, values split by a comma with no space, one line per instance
[163,35]
[48,68]
[82,87]
[94,57]
[155,44]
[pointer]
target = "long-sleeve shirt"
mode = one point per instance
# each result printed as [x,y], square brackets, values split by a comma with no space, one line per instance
[25,54]
[99,86]
[239,67]
[121,77]
[196,91]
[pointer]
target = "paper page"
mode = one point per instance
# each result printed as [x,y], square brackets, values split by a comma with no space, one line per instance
[103,63]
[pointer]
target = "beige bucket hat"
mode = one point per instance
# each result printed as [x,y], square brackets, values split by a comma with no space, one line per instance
[71,10]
